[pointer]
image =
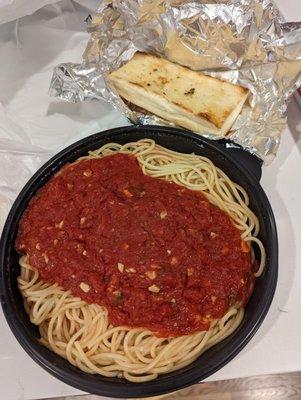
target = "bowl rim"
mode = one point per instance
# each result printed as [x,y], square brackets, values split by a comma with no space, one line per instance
[121,389]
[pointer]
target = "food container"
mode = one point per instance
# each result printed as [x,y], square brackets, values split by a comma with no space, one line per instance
[241,167]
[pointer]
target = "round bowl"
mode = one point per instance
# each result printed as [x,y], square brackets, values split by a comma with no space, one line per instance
[241,167]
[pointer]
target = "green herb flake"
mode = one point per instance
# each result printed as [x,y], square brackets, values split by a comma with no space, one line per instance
[190,92]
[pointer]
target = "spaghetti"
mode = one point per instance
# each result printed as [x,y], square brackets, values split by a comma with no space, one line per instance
[82,333]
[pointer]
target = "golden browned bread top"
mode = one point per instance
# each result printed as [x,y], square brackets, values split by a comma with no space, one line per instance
[204,96]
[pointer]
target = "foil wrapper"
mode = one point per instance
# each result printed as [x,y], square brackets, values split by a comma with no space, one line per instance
[245,42]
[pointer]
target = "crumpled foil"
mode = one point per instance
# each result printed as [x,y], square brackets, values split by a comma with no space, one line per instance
[245,42]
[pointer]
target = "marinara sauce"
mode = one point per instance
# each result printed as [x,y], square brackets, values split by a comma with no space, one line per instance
[155,254]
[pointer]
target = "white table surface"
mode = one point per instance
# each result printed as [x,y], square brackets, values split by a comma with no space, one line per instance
[276,347]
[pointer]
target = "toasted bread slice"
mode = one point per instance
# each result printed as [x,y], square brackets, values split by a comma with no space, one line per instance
[187,98]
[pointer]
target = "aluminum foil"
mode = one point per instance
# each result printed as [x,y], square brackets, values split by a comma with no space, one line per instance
[245,42]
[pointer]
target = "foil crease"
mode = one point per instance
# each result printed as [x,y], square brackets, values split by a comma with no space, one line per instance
[245,42]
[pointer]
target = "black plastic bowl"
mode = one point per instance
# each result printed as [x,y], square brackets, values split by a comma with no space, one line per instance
[241,167]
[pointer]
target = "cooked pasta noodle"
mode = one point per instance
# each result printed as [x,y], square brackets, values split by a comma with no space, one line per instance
[81,332]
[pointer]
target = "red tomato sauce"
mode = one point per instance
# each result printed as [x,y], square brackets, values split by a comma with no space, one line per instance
[155,254]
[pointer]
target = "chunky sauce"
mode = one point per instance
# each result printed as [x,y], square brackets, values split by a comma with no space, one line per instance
[157,255]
